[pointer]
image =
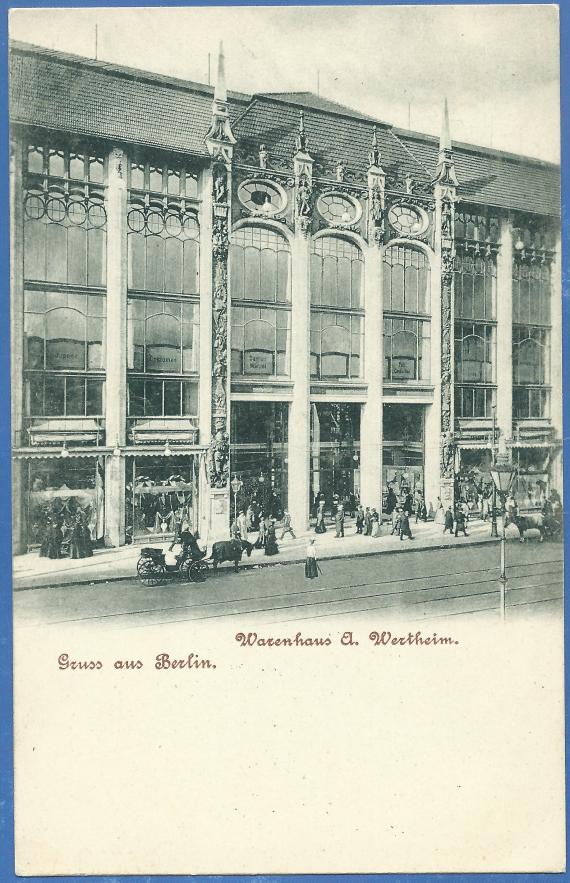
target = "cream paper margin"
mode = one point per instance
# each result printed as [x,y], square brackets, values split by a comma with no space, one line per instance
[292,759]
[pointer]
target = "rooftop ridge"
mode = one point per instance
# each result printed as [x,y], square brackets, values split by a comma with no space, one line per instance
[112,67]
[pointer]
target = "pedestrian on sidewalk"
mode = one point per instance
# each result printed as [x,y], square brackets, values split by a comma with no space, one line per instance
[320,526]
[312,568]
[405,529]
[439,517]
[360,520]
[367,522]
[375,523]
[339,521]
[242,524]
[448,520]
[391,501]
[396,518]
[271,547]
[421,510]
[460,521]
[286,525]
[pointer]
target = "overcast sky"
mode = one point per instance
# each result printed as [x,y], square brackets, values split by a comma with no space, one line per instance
[498,65]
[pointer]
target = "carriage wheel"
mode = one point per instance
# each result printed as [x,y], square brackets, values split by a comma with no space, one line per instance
[151,573]
[198,571]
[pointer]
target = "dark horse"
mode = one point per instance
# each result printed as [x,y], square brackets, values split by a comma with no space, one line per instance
[536,521]
[230,550]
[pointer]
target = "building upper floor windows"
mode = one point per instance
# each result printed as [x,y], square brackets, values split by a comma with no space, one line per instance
[531,293]
[475,278]
[260,265]
[474,353]
[531,355]
[406,280]
[163,336]
[477,226]
[158,178]
[336,345]
[336,273]
[64,331]
[164,247]
[64,238]
[406,349]
[65,164]
[261,341]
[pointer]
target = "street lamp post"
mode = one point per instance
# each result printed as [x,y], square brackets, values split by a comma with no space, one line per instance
[502,474]
[237,485]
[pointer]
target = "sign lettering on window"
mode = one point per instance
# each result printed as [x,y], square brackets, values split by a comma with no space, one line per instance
[403,369]
[258,362]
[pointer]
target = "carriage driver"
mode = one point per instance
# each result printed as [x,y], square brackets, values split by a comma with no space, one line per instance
[190,547]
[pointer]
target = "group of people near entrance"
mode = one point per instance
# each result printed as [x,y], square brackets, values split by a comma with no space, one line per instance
[64,535]
[265,524]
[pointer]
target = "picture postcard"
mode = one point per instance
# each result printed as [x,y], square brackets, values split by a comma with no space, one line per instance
[286,322]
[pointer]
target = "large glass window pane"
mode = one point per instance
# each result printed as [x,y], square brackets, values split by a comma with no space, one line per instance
[94,397]
[75,396]
[136,398]
[163,344]
[268,274]
[189,399]
[173,266]
[237,270]
[36,393]
[55,396]
[77,254]
[191,271]
[154,263]
[65,339]
[171,398]
[283,259]
[35,250]
[252,265]
[96,256]
[153,398]
[56,245]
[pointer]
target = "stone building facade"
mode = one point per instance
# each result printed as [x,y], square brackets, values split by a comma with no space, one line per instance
[274,287]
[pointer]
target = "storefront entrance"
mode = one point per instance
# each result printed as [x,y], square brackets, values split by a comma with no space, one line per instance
[258,455]
[402,450]
[59,489]
[335,455]
[161,492]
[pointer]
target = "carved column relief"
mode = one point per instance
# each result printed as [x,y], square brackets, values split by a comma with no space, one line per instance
[218,454]
[447,261]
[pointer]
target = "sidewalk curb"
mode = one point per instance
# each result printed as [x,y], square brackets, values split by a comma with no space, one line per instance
[263,564]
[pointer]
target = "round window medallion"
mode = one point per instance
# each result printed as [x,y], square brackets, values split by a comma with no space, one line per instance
[338,208]
[408,220]
[262,197]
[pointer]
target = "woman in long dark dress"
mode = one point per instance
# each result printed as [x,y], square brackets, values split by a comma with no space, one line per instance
[271,547]
[320,526]
[311,565]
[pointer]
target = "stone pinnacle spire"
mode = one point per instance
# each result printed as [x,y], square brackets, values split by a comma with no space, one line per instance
[220,130]
[445,173]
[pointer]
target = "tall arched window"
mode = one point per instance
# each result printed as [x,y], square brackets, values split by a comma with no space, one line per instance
[336,309]
[162,356]
[475,298]
[531,332]
[260,288]
[406,292]
[64,335]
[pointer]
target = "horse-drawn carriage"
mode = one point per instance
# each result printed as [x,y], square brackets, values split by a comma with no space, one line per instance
[191,565]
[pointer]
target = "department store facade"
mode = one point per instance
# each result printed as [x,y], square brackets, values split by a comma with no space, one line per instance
[272,288]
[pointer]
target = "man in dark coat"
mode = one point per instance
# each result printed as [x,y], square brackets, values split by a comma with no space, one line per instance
[339,521]
[448,520]
[460,521]
[391,501]
[359,520]
[405,529]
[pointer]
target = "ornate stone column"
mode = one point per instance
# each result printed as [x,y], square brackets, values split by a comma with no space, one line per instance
[220,141]
[300,408]
[206,301]
[17,337]
[371,429]
[116,348]
[504,363]
[556,475]
[445,197]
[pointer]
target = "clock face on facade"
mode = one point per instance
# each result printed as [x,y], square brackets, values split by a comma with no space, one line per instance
[407,219]
[337,208]
[262,197]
